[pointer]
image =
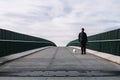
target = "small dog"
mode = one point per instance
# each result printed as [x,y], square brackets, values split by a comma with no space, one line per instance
[74,51]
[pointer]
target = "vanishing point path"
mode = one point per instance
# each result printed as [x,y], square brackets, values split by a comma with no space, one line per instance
[60,63]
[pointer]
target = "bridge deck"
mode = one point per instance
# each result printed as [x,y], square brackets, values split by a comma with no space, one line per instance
[60,63]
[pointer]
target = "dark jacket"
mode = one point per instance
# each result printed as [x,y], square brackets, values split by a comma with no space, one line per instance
[83,37]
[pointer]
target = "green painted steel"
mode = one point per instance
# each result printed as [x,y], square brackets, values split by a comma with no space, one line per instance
[12,42]
[108,42]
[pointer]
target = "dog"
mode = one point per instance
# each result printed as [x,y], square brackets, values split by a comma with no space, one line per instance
[74,51]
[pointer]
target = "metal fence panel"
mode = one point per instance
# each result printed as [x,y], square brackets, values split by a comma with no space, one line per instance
[12,42]
[108,42]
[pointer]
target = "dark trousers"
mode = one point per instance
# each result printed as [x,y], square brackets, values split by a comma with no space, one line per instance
[83,48]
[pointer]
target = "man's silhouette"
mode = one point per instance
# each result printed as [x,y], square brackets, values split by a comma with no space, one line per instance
[83,40]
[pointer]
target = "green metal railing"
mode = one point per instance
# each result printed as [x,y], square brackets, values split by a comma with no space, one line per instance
[108,42]
[12,42]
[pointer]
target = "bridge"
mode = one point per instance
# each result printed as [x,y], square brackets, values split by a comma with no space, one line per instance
[45,61]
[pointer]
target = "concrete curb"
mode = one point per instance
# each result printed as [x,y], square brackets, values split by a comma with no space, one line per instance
[107,56]
[8,58]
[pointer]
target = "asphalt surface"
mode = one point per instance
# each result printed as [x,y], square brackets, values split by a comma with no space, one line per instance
[60,63]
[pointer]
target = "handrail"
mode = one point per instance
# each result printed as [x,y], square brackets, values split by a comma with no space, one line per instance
[112,40]
[23,41]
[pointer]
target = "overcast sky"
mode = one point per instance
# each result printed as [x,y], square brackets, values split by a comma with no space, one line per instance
[59,20]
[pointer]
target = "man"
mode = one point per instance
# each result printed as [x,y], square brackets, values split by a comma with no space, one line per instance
[83,40]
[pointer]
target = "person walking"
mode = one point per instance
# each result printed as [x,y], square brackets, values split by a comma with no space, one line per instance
[83,41]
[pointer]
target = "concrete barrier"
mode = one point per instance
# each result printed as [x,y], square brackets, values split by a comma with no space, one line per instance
[19,55]
[106,56]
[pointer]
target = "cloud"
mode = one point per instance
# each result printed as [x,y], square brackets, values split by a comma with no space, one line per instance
[59,20]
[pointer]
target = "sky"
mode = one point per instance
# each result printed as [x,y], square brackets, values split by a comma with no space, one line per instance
[59,20]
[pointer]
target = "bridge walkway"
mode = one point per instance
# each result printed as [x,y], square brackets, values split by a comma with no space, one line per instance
[60,63]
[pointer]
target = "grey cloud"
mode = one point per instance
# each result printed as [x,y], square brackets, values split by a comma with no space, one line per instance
[60,20]
[108,21]
[31,17]
[112,28]
[28,17]
[67,7]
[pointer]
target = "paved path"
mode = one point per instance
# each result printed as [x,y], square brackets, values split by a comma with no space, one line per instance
[60,63]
